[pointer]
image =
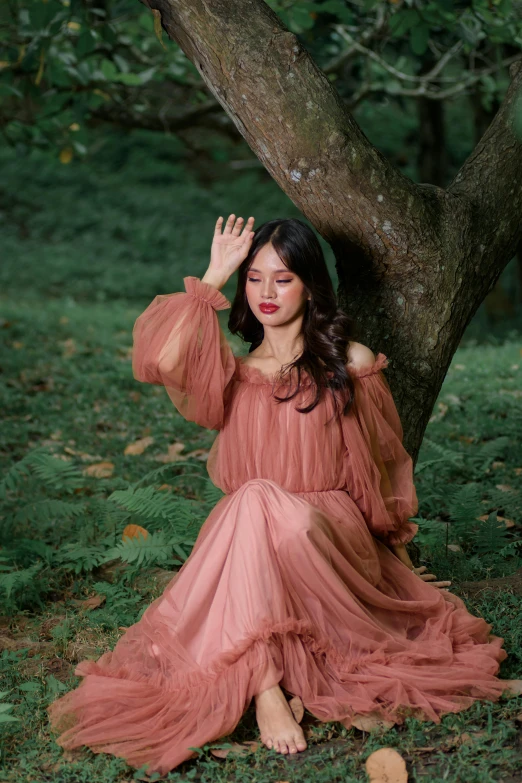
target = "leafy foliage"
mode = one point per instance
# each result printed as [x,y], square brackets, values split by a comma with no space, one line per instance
[69,64]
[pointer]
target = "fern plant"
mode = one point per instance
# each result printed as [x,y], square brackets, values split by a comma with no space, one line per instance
[30,565]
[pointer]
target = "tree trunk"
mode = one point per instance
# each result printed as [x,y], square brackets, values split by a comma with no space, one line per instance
[414,260]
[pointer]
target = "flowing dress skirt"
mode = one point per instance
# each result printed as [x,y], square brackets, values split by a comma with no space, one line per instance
[287,588]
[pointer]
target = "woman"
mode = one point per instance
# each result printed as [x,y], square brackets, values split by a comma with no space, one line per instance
[299,576]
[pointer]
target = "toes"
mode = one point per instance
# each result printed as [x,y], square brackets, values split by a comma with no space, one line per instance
[292,747]
[283,747]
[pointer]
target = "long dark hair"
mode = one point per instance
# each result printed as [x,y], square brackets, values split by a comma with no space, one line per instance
[326,329]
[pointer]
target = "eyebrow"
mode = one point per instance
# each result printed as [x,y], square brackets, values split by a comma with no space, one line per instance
[276,271]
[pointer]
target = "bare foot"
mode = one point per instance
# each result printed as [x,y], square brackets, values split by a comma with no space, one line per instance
[514,688]
[371,722]
[276,722]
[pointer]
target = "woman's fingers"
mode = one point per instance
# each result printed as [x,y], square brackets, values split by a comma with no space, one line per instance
[249,225]
[237,227]
[234,227]
[228,225]
[431,578]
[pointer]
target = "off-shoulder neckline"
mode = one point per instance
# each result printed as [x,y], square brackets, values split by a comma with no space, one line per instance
[251,374]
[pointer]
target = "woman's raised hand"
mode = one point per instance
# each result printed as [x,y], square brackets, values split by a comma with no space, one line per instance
[229,249]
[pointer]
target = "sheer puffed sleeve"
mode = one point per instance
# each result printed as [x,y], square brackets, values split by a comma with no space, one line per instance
[179,344]
[379,470]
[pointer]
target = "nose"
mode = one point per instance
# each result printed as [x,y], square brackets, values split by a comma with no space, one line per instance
[267,289]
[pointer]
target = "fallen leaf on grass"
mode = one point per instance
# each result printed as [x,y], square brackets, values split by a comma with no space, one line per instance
[91,603]
[173,453]
[466,738]
[386,766]
[241,749]
[139,446]
[505,488]
[297,707]
[201,454]
[99,470]
[134,531]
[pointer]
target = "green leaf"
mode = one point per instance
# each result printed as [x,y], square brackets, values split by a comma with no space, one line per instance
[130,79]
[30,687]
[402,21]
[300,19]
[419,37]
[109,70]
[86,43]
[338,8]
[122,63]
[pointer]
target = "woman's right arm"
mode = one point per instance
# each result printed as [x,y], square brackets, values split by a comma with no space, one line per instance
[178,342]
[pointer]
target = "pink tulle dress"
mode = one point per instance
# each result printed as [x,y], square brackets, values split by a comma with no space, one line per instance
[291,580]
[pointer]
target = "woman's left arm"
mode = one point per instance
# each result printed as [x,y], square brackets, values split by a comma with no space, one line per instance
[379,469]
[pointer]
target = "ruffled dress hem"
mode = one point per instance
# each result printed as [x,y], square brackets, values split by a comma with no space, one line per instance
[203,706]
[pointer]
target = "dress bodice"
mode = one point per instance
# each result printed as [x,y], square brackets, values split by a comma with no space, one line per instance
[263,438]
[178,343]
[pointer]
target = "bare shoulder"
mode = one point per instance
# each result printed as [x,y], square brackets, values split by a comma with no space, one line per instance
[360,356]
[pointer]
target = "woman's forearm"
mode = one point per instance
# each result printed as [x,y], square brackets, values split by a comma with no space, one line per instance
[214,279]
[401,552]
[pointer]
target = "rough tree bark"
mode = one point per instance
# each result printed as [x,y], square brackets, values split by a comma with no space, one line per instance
[414,260]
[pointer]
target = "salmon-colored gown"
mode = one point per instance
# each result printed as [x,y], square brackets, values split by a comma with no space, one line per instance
[291,580]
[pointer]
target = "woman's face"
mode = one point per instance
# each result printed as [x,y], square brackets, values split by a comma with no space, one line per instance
[270,282]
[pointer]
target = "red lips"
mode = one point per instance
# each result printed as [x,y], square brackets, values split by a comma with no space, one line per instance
[268,308]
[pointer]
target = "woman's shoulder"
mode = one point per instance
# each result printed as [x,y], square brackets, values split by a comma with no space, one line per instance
[360,357]
[362,360]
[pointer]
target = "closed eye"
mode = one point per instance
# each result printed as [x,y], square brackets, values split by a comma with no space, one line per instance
[253,280]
